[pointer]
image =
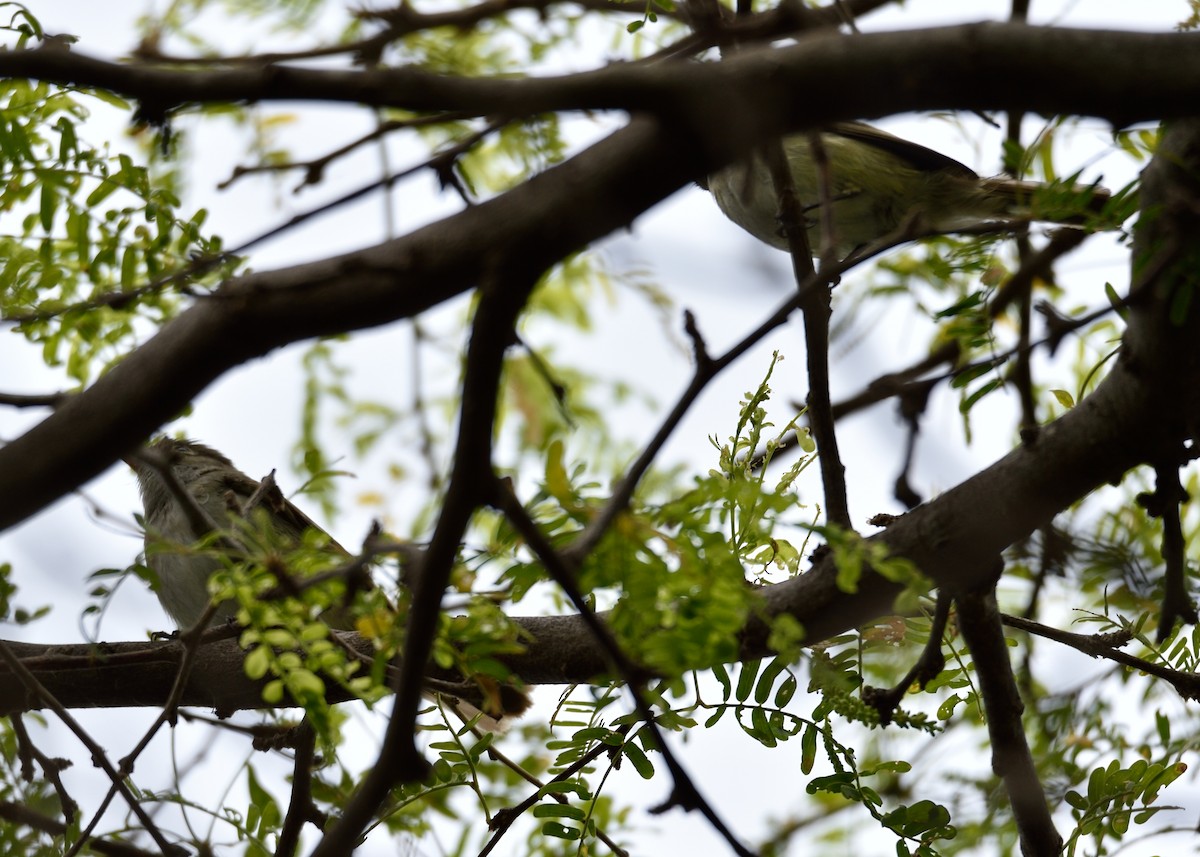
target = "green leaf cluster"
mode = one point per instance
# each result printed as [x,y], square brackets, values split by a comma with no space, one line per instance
[100,243]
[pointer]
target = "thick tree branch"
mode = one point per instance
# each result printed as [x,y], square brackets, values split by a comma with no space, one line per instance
[978,66]
[534,225]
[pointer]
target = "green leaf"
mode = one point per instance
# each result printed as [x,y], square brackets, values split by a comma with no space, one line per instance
[787,689]
[970,401]
[808,748]
[1116,301]
[559,831]
[102,192]
[1097,785]
[1163,725]
[638,759]
[746,678]
[559,810]
[965,376]
[946,709]
[721,674]
[760,728]
[109,98]
[762,692]
[1064,398]
[257,662]
[48,206]
[304,685]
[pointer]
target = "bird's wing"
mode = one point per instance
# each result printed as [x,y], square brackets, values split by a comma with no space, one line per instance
[920,157]
[286,512]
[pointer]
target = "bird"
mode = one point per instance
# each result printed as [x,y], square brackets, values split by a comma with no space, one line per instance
[189,491]
[877,182]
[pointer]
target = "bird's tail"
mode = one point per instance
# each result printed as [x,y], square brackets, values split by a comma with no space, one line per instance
[1054,202]
[483,703]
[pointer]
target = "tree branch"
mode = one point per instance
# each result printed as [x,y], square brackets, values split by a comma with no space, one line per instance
[972,67]
[535,224]
[979,622]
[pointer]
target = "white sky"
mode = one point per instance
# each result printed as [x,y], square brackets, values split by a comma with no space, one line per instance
[702,261]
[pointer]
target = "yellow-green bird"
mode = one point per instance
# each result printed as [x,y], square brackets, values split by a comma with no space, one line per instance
[877,182]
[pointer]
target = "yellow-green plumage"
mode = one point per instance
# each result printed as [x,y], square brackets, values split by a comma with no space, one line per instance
[878,181]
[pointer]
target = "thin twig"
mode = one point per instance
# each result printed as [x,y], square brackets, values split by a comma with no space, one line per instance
[502,296]
[21,400]
[1186,684]
[99,757]
[22,815]
[191,640]
[314,168]
[1164,503]
[981,629]
[503,820]
[300,806]
[817,310]
[51,767]
[705,371]
[512,814]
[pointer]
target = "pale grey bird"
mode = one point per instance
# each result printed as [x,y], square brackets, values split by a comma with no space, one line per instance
[190,490]
[215,492]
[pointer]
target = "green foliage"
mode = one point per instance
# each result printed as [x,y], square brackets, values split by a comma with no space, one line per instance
[101,241]
[23,787]
[513,154]
[676,570]
[10,611]
[101,251]
[1139,143]
[325,385]
[1117,797]
[952,280]
[653,8]
[852,555]
[263,817]
[762,700]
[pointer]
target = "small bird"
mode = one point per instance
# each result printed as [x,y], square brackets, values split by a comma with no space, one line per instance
[877,181]
[217,491]
[190,490]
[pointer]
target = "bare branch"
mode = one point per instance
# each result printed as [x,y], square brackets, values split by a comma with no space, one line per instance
[99,757]
[973,67]
[979,623]
[26,817]
[19,400]
[503,295]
